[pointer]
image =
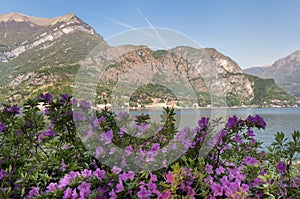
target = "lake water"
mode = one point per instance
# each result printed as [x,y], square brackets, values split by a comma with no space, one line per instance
[278,119]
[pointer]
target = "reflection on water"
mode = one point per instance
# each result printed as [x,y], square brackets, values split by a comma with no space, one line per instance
[278,119]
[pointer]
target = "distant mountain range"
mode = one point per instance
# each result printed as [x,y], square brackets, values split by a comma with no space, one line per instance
[285,72]
[40,55]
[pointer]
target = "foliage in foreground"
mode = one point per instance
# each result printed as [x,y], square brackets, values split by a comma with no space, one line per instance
[42,155]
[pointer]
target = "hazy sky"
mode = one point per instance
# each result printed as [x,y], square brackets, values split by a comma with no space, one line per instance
[252,32]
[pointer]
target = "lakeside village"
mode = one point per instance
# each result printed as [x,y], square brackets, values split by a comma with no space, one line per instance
[146,102]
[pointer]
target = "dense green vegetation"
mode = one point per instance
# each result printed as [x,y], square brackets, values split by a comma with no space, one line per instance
[66,150]
[267,92]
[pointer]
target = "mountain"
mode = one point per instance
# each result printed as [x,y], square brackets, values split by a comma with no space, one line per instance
[40,55]
[37,54]
[285,72]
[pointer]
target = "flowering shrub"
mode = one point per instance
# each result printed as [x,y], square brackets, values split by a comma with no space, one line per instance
[42,155]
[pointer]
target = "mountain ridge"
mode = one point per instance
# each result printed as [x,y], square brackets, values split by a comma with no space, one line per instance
[18,17]
[285,71]
[46,58]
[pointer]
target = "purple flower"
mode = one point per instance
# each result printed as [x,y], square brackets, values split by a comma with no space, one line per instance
[102,119]
[191,192]
[150,156]
[122,131]
[128,150]
[112,194]
[33,192]
[203,122]
[250,119]
[84,189]
[2,127]
[250,161]
[98,151]
[85,104]
[65,181]
[143,127]
[73,174]
[151,186]
[112,150]
[122,114]
[232,122]
[100,174]
[297,180]
[47,97]
[209,180]
[217,189]
[224,180]
[64,97]
[257,121]
[51,187]
[78,116]
[218,137]
[2,173]
[237,138]
[153,177]
[220,170]
[119,187]
[250,133]
[155,147]
[116,170]
[47,111]
[67,193]
[281,168]
[131,175]
[74,102]
[144,193]
[260,123]
[74,194]
[169,177]
[245,187]
[257,181]
[86,173]
[107,137]
[166,195]
[14,109]
[208,169]
[49,133]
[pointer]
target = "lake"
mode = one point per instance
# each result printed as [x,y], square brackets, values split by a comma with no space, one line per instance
[278,119]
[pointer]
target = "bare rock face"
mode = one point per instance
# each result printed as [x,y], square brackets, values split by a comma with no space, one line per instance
[205,70]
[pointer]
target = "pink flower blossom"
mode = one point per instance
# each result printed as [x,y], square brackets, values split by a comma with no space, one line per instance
[217,189]
[250,161]
[67,193]
[144,193]
[116,170]
[169,177]
[86,173]
[100,174]
[208,169]
[84,189]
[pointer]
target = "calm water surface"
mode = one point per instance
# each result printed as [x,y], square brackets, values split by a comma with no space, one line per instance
[278,119]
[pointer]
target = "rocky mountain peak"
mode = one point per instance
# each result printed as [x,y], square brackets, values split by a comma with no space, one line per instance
[19,33]
[292,60]
[284,71]
[225,63]
[17,17]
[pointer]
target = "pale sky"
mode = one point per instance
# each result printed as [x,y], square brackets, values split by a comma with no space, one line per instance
[251,32]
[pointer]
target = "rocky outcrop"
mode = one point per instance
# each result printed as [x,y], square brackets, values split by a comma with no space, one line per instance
[285,72]
[205,70]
